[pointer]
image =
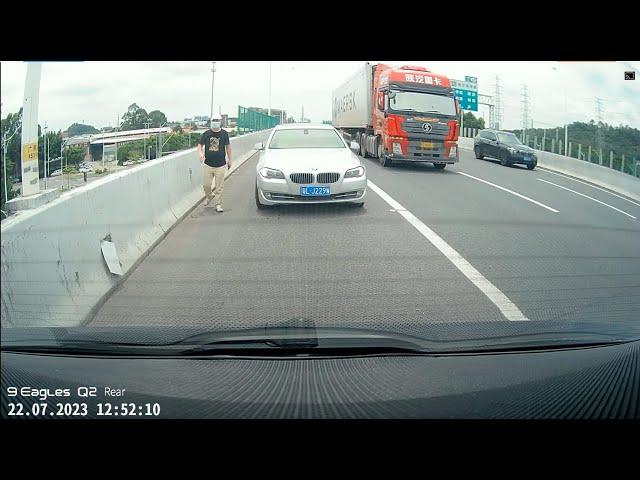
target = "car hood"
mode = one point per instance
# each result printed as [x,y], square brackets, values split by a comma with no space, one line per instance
[522,148]
[303,159]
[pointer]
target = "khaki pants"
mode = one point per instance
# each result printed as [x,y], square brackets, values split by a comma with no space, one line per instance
[208,174]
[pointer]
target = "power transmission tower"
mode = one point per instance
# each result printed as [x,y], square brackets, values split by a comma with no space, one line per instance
[599,132]
[497,116]
[525,112]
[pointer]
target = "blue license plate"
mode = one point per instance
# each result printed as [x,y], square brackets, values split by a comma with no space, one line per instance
[315,191]
[527,158]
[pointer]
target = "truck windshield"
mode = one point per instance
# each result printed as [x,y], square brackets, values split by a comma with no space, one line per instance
[423,103]
[306,138]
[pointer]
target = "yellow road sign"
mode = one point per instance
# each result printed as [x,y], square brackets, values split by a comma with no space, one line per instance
[30,152]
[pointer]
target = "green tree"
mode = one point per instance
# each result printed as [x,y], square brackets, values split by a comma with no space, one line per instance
[73,155]
[470,121]
[81,129]
[135,118]
[12,125]
[157,118]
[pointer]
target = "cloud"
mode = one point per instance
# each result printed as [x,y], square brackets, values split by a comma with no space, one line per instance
[97,92]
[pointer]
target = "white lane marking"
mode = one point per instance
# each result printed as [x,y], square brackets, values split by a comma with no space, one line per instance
[589,185]
[499,299]
[511,192]
[587,196]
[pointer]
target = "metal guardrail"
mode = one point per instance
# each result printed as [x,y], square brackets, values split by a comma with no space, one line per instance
[629,166]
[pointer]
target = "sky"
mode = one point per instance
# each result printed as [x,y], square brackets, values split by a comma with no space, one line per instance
[96,93]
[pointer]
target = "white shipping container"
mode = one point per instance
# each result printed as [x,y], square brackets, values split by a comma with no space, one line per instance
[351,101]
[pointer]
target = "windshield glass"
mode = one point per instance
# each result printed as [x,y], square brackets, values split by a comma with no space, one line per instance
[306,138]
[130,220]
[423,103]
[509,139]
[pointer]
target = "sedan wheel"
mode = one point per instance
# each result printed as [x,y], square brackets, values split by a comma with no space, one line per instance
[504,161]
[478,153]
[531,166]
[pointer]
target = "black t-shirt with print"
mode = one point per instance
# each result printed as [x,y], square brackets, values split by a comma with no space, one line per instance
[214,144]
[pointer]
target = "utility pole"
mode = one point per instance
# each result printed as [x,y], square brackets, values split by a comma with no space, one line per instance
[302,117]
[213,75]
[269,89]
[144,148]
[44,155]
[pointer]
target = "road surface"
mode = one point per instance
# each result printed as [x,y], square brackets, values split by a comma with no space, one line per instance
[476,242]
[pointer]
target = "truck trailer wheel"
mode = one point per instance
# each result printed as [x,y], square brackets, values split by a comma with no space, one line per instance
[363,145]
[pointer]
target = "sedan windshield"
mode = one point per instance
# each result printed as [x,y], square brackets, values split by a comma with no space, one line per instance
[509,139]
[306,138]
[423,103]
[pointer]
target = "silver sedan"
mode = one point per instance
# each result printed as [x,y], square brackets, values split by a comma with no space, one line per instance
[302,163]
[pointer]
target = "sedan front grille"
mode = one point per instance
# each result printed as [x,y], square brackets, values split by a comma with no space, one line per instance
[328,177]
[301,177]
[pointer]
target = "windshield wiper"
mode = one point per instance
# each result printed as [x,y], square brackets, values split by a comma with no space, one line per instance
[297,341]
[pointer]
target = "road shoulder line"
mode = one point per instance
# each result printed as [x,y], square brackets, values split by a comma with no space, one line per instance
[568,177]
[511,192]
[590,198]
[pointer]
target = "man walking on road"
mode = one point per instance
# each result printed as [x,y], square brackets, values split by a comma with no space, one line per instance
[214,151]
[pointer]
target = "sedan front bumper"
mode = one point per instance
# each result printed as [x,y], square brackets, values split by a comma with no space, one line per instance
[279,191]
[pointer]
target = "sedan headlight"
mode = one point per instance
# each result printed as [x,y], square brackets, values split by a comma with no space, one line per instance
[354,172]
[271,173]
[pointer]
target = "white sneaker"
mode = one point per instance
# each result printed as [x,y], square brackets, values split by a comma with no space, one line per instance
[207,201]
[219,209]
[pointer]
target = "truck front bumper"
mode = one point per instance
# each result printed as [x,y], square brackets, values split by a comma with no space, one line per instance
[422,158]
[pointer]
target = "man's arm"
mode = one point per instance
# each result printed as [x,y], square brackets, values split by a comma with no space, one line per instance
[200,148]
[228,150]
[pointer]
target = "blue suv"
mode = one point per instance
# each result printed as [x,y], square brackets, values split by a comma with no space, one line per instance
[504,146]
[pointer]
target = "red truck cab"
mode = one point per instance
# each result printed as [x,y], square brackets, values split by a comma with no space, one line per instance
[414,117]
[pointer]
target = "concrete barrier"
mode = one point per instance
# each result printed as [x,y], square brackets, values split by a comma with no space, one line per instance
[613,180]
[53,271]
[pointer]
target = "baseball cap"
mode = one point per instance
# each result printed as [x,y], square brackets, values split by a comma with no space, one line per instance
[216,117]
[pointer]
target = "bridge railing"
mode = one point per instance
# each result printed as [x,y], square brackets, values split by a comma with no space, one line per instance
[54,271]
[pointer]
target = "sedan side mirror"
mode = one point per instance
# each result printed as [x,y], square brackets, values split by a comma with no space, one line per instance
[258,146]
[355,147]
